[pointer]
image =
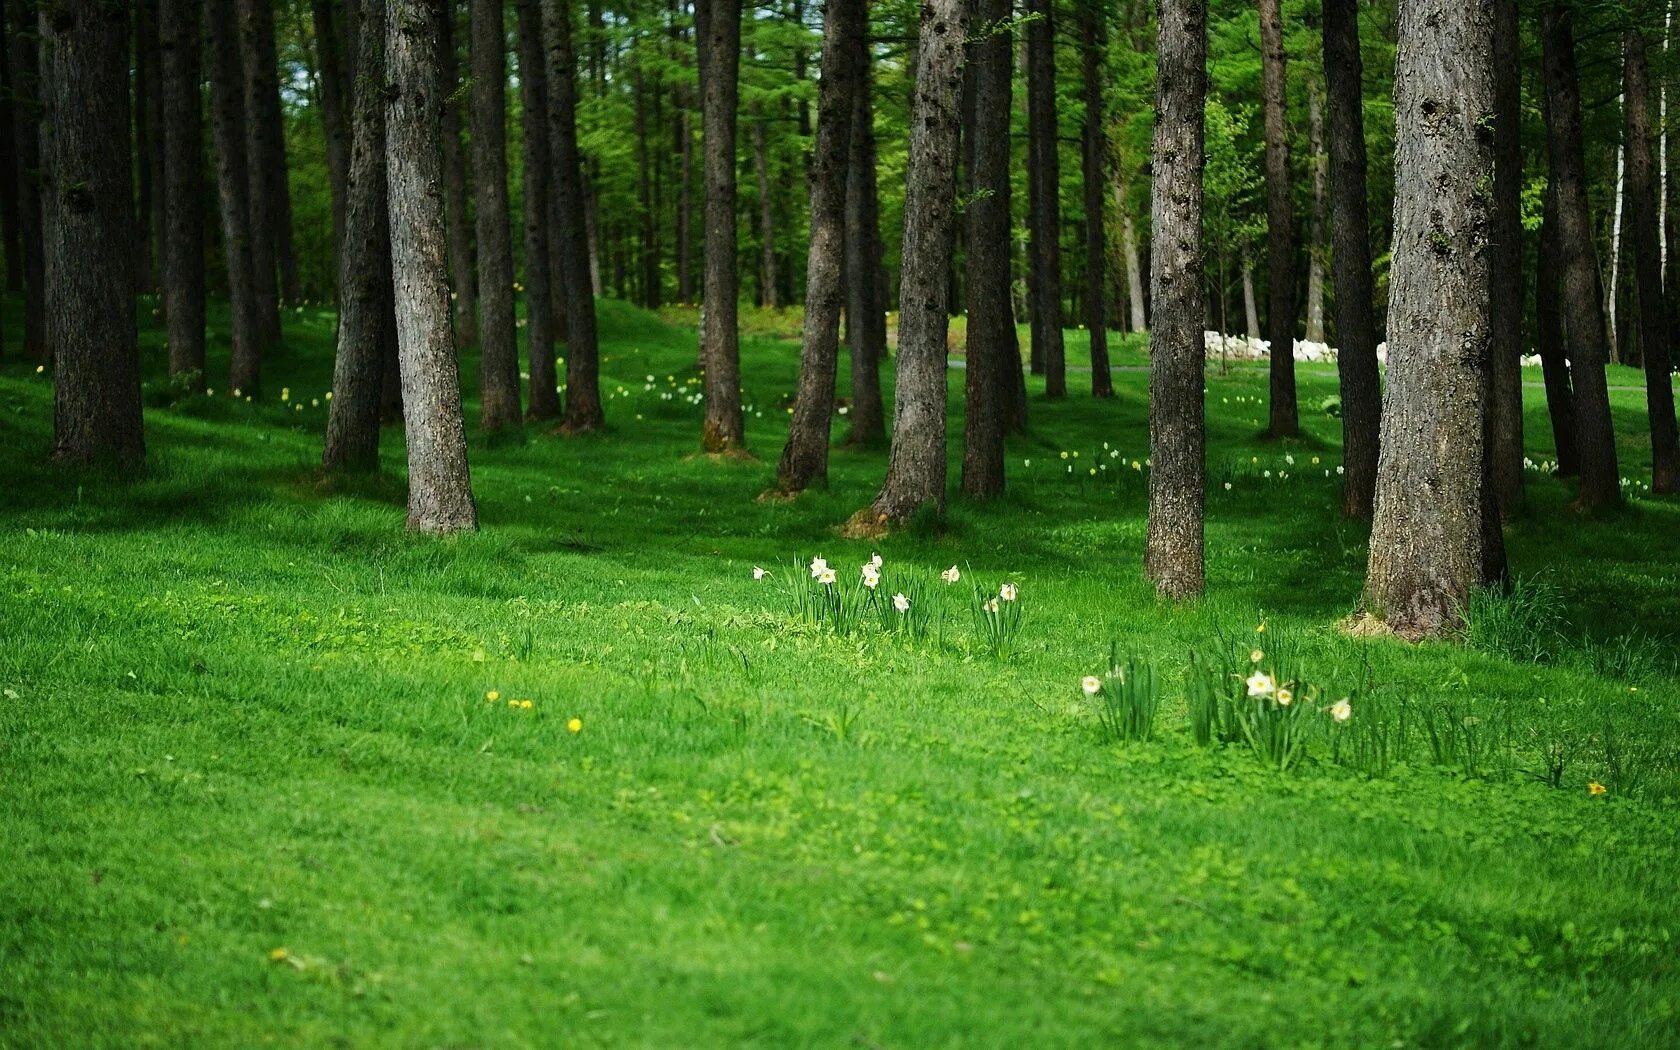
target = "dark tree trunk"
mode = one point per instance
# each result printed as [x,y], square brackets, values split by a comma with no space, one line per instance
[1096,182]
[766,218]
[989,389]
[233,189]
[645,191]
[866,308]
[1505,409]
[439,485]
[583,393]
[805,457]
[148,134]
[365,316]
[537,163]
[1585,332]
[1356,335]
[10,238]
[336,102]
[463,272]
[685,208]
[719,29]
[1314,329]
[1173,558]
[183,166]
[24,52]
[1427,534]
[1280,226]
[272,254]
[90,236]
[1044,209]
[1554,364]
[1647,257]
[499,407]
[916,466]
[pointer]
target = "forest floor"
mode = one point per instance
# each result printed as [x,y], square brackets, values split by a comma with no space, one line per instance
[267,773]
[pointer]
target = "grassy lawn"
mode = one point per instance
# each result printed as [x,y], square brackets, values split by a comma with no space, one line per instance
[252,792]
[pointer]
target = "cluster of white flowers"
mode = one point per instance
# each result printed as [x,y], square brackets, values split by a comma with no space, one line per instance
[1220,345]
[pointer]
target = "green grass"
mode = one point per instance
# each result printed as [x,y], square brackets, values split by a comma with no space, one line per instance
[244,712]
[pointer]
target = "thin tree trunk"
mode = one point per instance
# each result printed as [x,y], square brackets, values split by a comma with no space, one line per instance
[1611,299]
[1315,236]
[1095,178]
[1560,398]
[265,166]
[148,135]
[1647,255]
[766,217]
[439,484]
[23,44]
[336,102]
[1044,173]
[364,270]
[1134,267]
[583,392]
[536,166]
[233,188]
[1505,408]
[916,467]
[463,270]
[866,308]
[1427,533]
[499,407]
[1585,334]
[1251,308]
[645,193]
[805,457]
[90,236]
[1280,226]
[685,207]
[180,38]
[719,31]
[9,233]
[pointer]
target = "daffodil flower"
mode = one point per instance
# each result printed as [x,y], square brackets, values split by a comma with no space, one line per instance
[1007,592]
[818,567]
[758,573]
[951,575]
[1260,684]
[1091,684]
[901,603]
[1341,711]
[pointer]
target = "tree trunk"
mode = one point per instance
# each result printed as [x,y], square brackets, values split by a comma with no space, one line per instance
[1356,330]
[233,188]
[148,136]
[1280,226]
[719,29]
[1560,398]
[463,270]
[866,308]
[1585,334]
[336,102]
[364,269]
[1427,532]
[583,392]
[685,207]
[989,388]
[265,166]
[536,165]
[1044,211]
[1315,236]
[1611,299]
[1134,267]
[1647,255]
[1505,407]
[1095,177]
[439,484]
[916,466]
[645,193]
[499,407]
[10,237]
[805,457]
[90,235]
[766,218]
[180,35]
[1251,308]
[24,52]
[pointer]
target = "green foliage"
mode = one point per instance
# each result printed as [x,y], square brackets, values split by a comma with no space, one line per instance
[1127,698]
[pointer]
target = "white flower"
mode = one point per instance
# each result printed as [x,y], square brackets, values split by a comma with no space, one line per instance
[1007,592]
[818,567]
[759,574]
[951,575]
[875,560]
[901,603]
[991,606]
[826,577]
[1260,684]
[1284,697]
[871,576]
[1227,486]
[1256,656]
[1091,684]
[1341,711]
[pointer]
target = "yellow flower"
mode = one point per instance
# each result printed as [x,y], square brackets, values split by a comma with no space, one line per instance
[1595,788]
[1341,711]
[1260,629]
[1256,656]
[524,705]
[1284,697]
[492,696]
[575,725]
[277,955]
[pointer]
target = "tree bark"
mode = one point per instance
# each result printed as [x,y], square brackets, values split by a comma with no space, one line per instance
[685,206]
[179,25]
[766,217]
[1251,308]
[463,270]
[233,189]
[365,309]
[439,484]
[916,466]
[1095,178]
[1647,256]
[1044,209]
[265,166]
[866,308]
[1280,226]
[536,165]
[24,52]
[645,192]
[1554,364]
[805,457]
[1356,330]
[336,102]
[1134,267]
[719,29]
[1315,235]
[1595,440]
[1505,407]
[1427,532]
[583,393]
[148,136]
[499,407]
[9,233]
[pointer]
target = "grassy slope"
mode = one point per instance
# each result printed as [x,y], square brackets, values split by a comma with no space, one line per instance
[244,712]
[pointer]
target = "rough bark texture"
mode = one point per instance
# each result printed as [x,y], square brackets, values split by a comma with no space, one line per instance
[233,188]
[766,217]
[12,245]
[805,456]
[536,163]
[365,311]
[991,317]
[439,485]
[1505,412]
[866,308]
[90,235]
[24,54]
[1427,532]
[1548,326]
[265,165]
[463,273]
[148,142]
[1044,206]
[498,344]
[183,166]
[1315,235]
[719,31]
[1647,257]
[916,466]
[1584,334]
[1095,172]
[1134,265]
[336,103]
[583,393]
[1173,558]
[1280,226]
[1356,330]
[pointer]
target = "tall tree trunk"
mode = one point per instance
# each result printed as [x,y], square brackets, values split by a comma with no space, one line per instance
[685,207]
[90,236]
[1595,438]
[148,133]
[1356,330]
[364,269]
[499,407]
[1647,256]
[866,307]
[233,189]
[1095,177]
[805,457]
[336,102]
[645,193]
[463,270]
[1280,226]
[536,165]
[24,52]
[439,484]
[10,236]
[1427,533]
[916,466]
[766,217]
[719,31]
[1173,558]
[1044,174]
[1251,308]
[265,166]
[1315,235]
[180,37]
[1134,269]
[1505,407]
[1617,223]
[583,391]
[989,388]
[1548,326]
